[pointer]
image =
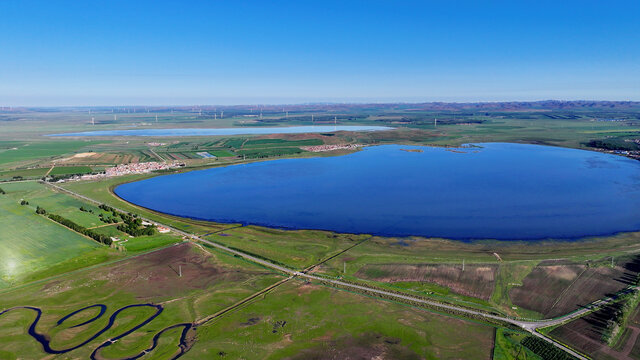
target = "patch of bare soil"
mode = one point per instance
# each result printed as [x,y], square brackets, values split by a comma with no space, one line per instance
[366,346]
[475,280]
[168,272]
[554,290]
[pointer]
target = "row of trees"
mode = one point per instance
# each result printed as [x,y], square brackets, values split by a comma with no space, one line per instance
[101,238]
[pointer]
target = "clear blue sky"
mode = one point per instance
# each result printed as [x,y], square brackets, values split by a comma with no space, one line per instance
[229,52]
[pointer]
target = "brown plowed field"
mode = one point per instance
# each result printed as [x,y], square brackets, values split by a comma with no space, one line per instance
[554,289]
[585,334]
[477,280]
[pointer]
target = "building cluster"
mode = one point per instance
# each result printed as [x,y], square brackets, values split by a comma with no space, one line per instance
[129,169]
[139,168]
[321,148]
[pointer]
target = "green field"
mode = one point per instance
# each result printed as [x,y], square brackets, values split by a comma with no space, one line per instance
[209,283]
[65,170]
[323,322]
[36,247]
[14,151]
[36,173]
[30,243]
[294,249]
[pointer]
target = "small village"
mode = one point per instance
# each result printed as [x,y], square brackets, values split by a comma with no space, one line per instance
[127,169]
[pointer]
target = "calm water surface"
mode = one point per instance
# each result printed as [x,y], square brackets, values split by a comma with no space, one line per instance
[499,191]
[226,131]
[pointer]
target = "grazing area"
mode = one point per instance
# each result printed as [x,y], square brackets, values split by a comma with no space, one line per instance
[295,249]
[30,243]
[307,321]
[171,289]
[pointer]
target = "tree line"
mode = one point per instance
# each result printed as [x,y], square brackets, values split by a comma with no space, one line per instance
[101,238]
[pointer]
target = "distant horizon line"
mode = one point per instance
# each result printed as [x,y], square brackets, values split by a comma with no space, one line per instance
[317,103]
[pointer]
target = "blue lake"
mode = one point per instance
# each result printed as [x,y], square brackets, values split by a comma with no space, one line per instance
[226,131]
[498,191]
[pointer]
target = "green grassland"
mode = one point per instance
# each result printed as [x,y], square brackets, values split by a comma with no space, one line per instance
[30,243]
[35,173]
[323,322]
[64,170]
[210,282]
[35,247]
[15,152]
[295,249]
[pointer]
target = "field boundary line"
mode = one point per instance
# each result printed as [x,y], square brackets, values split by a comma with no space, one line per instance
[105,225]
[567,288]
[241,302]
[336,255]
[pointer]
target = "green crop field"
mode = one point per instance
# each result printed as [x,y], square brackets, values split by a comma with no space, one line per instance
[36,173]
[38,150]
[64,170]
[37,247]
[30,243]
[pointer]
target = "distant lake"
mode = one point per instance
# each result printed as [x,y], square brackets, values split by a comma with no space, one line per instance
[499,191]
[226,131]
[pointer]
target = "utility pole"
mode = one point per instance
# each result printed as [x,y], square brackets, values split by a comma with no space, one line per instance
[180,270]
[221,114]
[93,120]
[344,270]
[462,264]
